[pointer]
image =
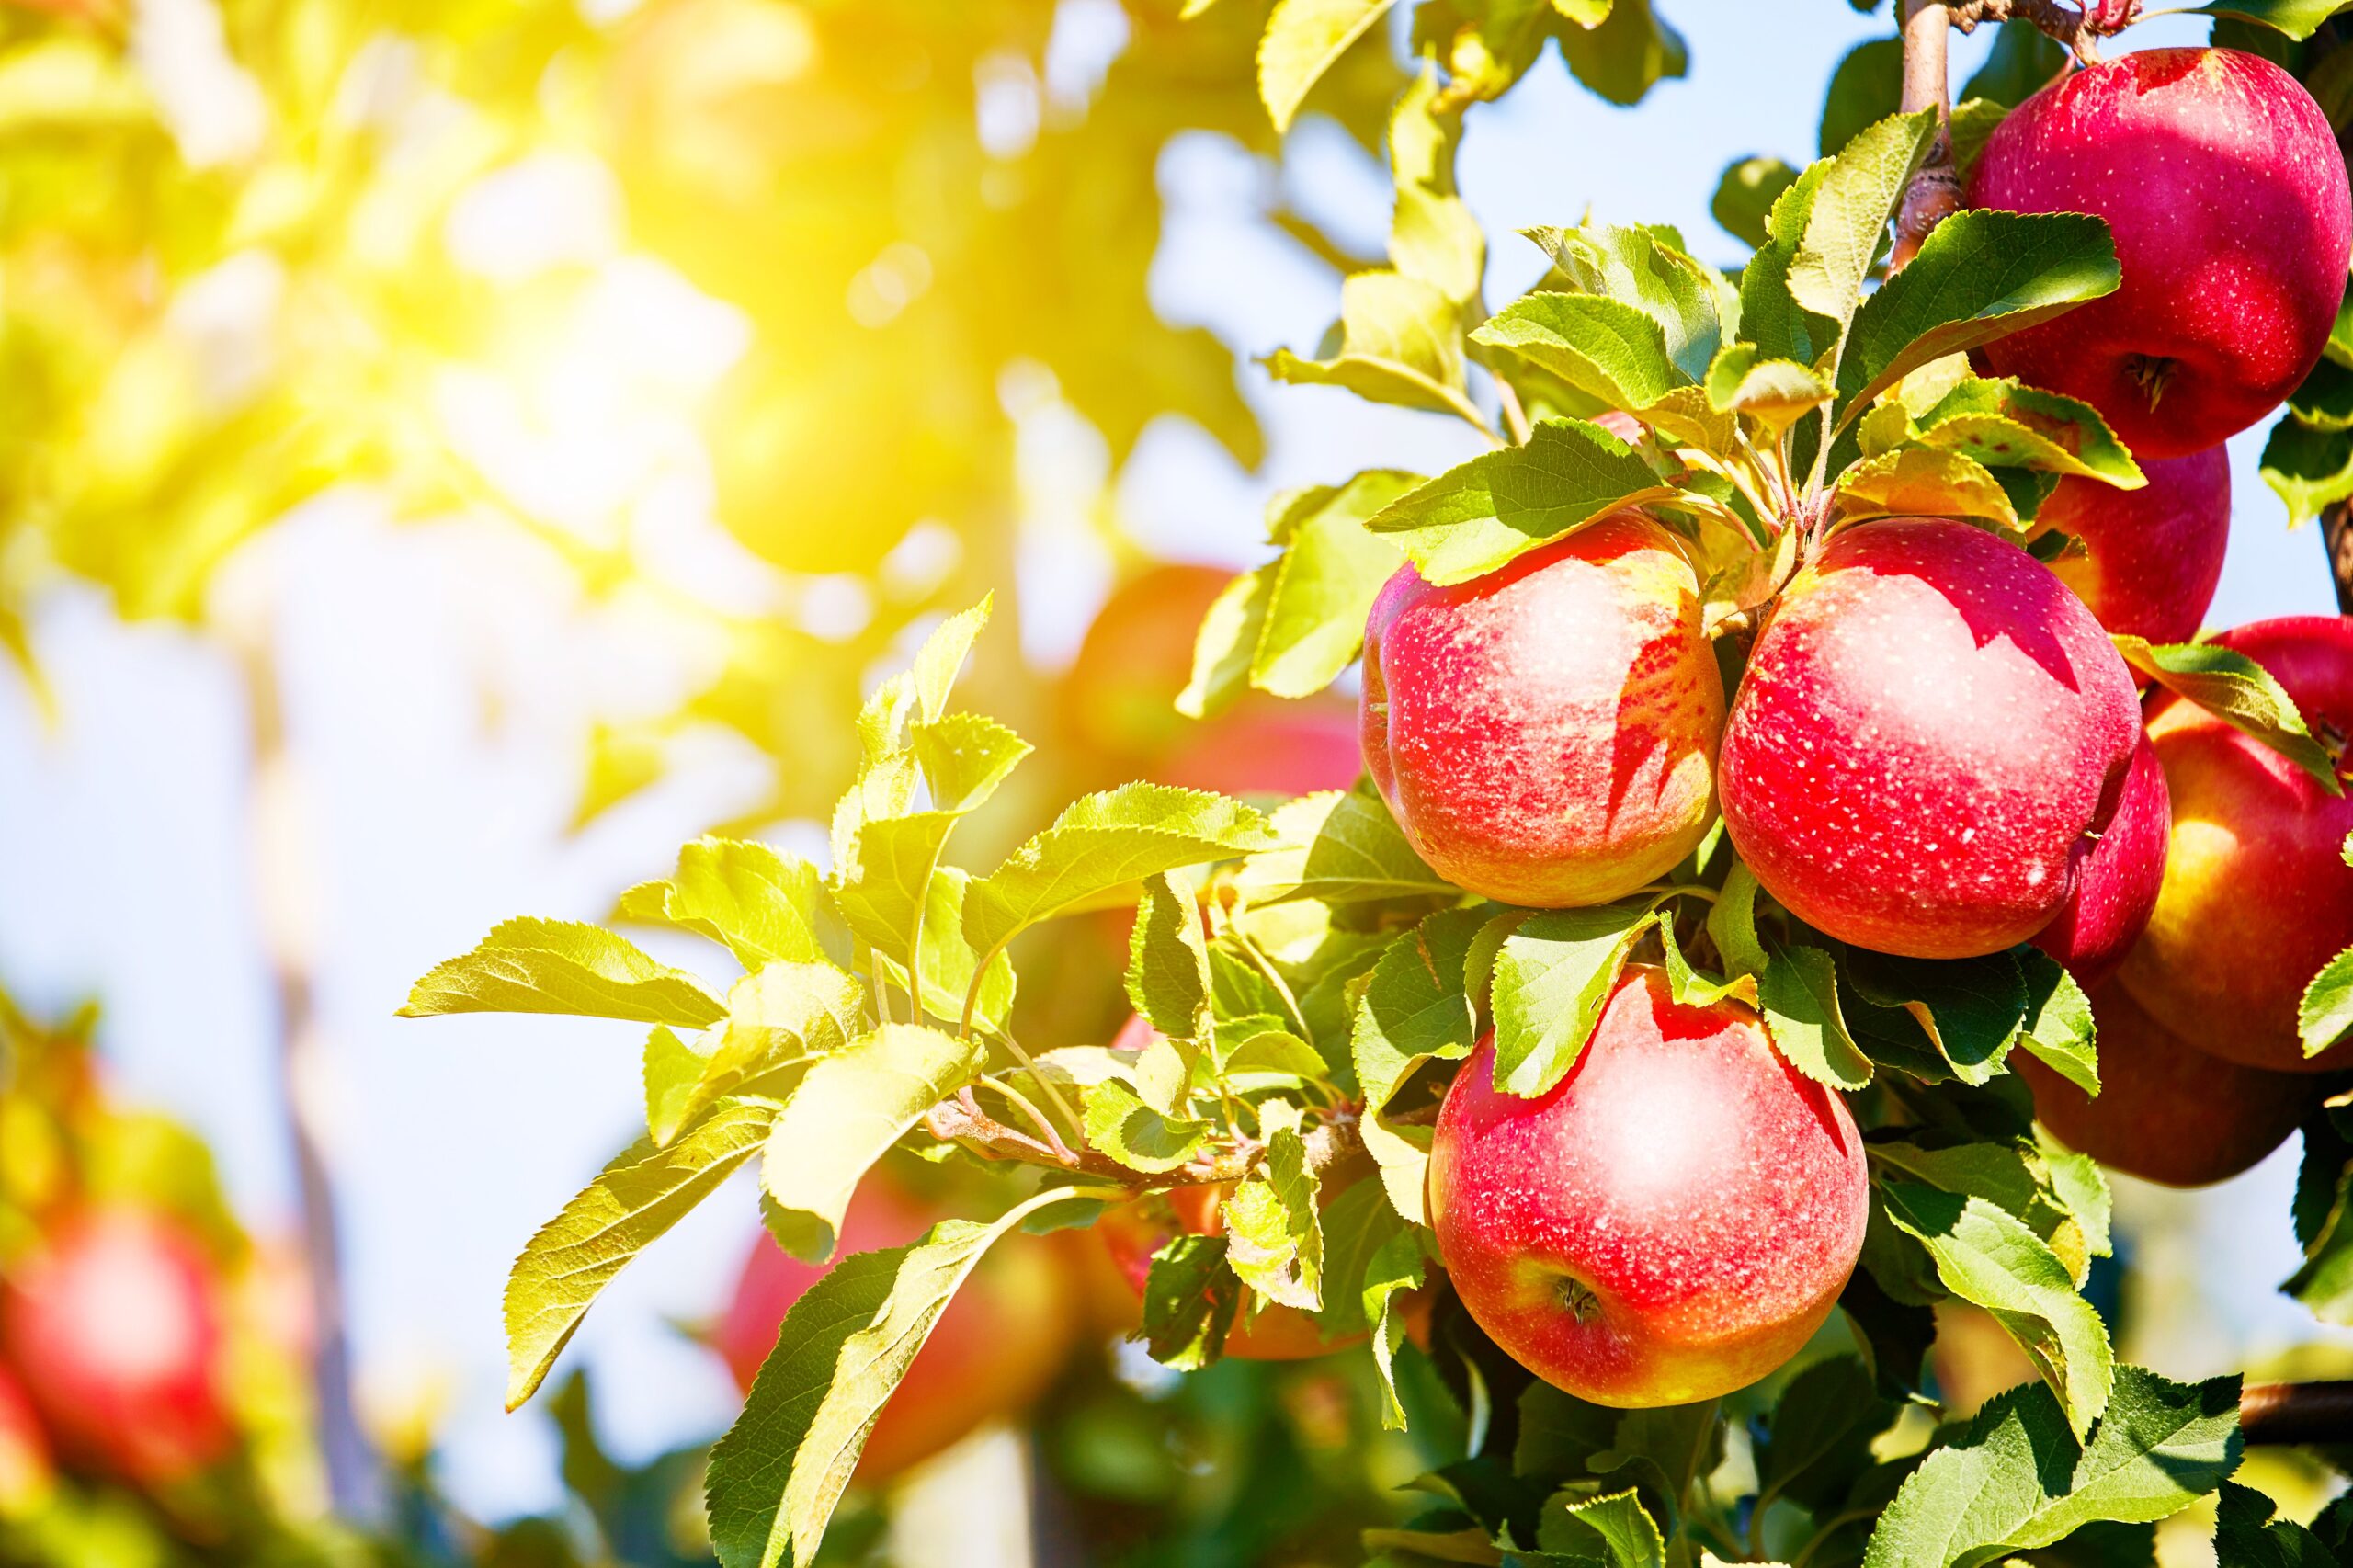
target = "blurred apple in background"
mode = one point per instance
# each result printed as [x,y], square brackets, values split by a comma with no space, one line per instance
[26,1470]
[114,1327]
[994,1350]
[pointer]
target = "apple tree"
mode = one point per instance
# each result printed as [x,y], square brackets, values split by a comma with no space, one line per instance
[1786,870]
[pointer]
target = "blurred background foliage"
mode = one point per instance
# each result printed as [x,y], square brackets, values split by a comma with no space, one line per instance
[809,267]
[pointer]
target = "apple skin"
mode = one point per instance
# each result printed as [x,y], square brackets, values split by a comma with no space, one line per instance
[2166,1111]
[1546,734]
[1252,750]
[2257,894]
[994,1349]
[2155,552]
[2117,876]
[114,1327]
[1929,724]
[1118,700]
[2223,186]
[26,1468]
[1706,1201]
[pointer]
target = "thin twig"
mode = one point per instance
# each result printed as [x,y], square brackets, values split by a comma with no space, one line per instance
[1935,192]
[2281,1414]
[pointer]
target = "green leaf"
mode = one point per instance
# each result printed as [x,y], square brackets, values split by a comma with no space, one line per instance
[1400,342]
[2059,1030]
[1168,960]
[1623,56]
[2327,1011]
[1482,515]
[2237,690]
[1820,1438]
[1971,1010]
[1100,843]
[848,1112]
[1851,210]
[2247,1536]
[1303,39]
[1973,122]
[964,757]
[1866,86]
[941,658]
[1746,194]
[1647,268]
[1732,923]
[1357,1222]
[1799,990]
[1325,583]
[644,1191]
[563,966]
[2297,18]
[1689,987]
[672,1069]
[1988,1256]
[1553,975]
[1777,392]
[1274,1233]
[1617,1523]
[1769,316]
[949,962]
[777,1473]
[1137,1135]
[2017,1480]
[2324,401]
[1189,1299]
[2324,1283]
[1432,234]
[2310,470]
[1413,1011]
[2005,424]
[1978,276]
[763,905]
[1921,481]
[1228,642]
[2023,58]
[1396,1268]
[1340,847]
[1607,349]
[782,1014]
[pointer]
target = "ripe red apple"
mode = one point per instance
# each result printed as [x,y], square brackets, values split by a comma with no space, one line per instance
[1254,750]
[2155,552]
[994,1350]
[1929,726]
[1670,1221]
[2257,894]
[2166,1111]
[1546,734]
[114,1327]
[2222,183]
[1119,698]
[1263,1331]
[2117,876]
[25,1469]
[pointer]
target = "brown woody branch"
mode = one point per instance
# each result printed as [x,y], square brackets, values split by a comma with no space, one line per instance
[1935,192]
[1330,1142]
[2277,1414]
[2075,27]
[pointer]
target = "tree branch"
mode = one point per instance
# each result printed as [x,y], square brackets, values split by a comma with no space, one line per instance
[2278,1414]
[1935,192]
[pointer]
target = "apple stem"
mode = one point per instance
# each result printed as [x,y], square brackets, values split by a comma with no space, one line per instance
[2337,535]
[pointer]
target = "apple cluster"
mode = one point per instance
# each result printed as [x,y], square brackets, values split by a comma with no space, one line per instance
[1934,751]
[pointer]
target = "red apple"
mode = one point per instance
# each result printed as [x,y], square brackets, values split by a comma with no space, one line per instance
[2154,553]
[1296,750]
[1670,1221]
[25,1469]
[1546,734]
[2257,894]
[114,1327]
[1929,726]
[2166,1111]
[1119,698]
[993,1352]
[2117,876]
[2221,181]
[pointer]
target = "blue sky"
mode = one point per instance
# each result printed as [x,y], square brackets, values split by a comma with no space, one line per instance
[442,681]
